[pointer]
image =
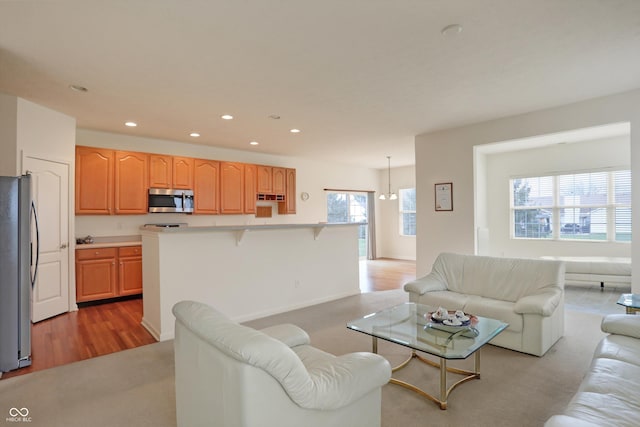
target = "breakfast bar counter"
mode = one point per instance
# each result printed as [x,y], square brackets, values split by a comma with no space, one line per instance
[246,271]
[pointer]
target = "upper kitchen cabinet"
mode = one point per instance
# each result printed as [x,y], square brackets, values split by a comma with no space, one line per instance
[183,173]
[94,180]
[160,171]
[231,188]
[271,180]
[288,206]
[131,188]
[206,187]
[250,185]
[279,181]
[265,179]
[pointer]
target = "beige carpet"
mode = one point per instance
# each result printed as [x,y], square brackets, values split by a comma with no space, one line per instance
[135,387]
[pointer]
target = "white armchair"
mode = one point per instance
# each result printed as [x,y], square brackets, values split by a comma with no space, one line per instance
[231,375]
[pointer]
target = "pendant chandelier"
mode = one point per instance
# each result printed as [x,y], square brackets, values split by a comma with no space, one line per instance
[389,195]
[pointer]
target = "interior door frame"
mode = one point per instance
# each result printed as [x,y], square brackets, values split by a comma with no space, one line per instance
[73,306]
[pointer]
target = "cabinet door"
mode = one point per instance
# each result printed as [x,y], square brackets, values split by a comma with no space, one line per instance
[131,189]
[130,270]
[183,173]
[265,179]
[279,181]
[289,204]
[206,187]
[250,183]
[231,188]
[94,181]
[95,279]
[160,171]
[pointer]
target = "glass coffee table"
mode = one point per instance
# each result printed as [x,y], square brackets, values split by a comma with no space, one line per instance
[631,302]
[412,326]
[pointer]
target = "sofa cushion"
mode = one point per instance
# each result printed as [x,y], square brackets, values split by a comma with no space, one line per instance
[495,309]
[447,299]
[620,347]
[506,279]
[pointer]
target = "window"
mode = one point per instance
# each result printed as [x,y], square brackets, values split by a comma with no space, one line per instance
[582,206]
[407,211]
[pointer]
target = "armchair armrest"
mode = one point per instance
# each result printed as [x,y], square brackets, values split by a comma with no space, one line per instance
[344,379]
[425,284]
[543,303]
[289,334]
[621,324]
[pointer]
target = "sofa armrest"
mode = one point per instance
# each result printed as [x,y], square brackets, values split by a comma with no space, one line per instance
[425,284]
[543,303]
[289,334]
[341,380]
[621,324]
[567,421]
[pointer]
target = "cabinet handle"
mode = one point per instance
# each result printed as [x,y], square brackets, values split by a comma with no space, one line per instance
[97,253]
[63,246]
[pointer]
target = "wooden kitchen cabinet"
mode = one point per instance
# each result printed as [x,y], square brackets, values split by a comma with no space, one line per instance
[108,273]
[250,186]
[94,180]
[160,171]
[264,179]
[131,185]
[183,173]
[279,181]
[95,274]
[231,188]
[206,187]
[288,206]
[130,270]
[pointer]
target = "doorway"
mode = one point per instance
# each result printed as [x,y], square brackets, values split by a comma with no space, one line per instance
[351,207]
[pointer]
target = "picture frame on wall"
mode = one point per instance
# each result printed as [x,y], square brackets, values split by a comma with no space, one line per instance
[444,196]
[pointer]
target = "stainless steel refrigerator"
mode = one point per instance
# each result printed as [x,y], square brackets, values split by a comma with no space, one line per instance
[17,271]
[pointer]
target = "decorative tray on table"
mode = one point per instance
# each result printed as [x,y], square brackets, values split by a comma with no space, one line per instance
[452,321]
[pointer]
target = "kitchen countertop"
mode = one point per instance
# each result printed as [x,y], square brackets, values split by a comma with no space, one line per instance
[111,242]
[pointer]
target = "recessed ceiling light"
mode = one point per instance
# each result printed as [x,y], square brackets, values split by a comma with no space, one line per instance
[131,124]
[78,88]
[254,143]
[451,30]
[226,116]
[295,131]
[194,134]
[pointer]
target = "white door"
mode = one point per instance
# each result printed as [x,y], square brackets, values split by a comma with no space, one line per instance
[50,193]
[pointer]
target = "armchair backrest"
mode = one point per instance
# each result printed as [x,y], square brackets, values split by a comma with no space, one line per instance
[506,279]
[246,345]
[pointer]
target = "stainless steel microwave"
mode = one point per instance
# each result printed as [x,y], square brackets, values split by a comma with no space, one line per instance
[166,200]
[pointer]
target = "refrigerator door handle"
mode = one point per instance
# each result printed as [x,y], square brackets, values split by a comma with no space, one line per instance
[34,212]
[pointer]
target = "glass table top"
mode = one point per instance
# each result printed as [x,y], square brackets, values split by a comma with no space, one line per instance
[410,325]
[629,300]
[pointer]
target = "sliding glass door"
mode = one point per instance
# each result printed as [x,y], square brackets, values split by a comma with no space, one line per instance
[349,207]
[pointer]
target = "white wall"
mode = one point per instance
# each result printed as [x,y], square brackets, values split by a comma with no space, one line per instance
[312,177]
[448,156]
[390,243]
[603,153]
[9,165]
[45,133]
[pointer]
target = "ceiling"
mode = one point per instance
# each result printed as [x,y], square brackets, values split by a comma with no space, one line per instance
[359,78]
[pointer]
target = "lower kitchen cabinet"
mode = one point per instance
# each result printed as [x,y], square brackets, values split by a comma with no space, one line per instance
[108,273]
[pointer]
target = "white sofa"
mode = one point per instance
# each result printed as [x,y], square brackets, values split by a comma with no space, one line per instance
[228,374]
[609,394]
[528,294]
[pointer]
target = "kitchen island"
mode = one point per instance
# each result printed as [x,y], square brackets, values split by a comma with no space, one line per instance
[246,271]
